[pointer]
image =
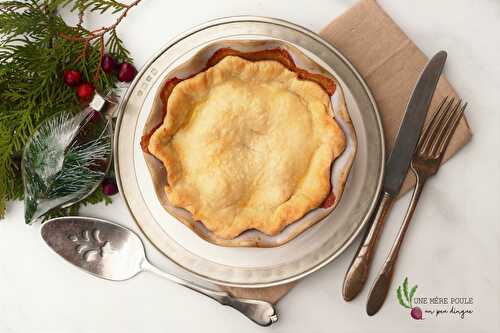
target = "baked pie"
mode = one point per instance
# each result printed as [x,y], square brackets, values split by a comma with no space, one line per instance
[247,143]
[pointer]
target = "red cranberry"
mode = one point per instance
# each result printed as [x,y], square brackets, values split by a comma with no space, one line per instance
[108,63]
[109,186]
[85,91]
[127,72]
[72,77]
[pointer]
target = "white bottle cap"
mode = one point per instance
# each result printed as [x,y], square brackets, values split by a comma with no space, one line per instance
[97,102]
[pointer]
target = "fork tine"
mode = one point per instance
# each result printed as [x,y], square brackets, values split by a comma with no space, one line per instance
[451,129]
[433,127]
[443,127]
[426,131]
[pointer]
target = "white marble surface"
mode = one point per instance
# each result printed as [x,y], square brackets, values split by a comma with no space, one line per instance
[452,248]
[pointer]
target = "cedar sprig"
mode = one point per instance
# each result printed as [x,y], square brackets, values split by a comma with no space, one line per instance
[96,5]
[115,45]
[33,57]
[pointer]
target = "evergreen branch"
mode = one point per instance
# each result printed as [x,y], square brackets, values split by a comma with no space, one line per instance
[87,37]
[117,48]
[103,6]
[81,13]
[18,18]
[33,57]
[96,5]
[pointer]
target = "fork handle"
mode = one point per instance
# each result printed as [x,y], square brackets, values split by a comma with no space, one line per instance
[357,273]
[380,288]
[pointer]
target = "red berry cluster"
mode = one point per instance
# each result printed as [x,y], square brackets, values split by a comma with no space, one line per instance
[85,90]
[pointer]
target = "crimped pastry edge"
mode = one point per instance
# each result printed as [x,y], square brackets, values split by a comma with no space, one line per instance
[254,238]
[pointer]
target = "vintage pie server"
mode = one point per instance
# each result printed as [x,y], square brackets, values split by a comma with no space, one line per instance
[110,251]
[395,172]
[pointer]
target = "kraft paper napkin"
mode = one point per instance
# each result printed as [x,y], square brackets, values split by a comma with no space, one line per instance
[390,63]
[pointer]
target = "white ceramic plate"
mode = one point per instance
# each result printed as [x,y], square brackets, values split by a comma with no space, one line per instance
[250,238]
[249,267]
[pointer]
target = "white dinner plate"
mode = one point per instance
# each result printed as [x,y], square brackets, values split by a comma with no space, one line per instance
[249,267]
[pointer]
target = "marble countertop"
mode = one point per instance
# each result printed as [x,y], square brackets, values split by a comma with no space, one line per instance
[452,248]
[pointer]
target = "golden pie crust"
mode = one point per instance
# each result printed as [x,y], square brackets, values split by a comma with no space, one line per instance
[247,144]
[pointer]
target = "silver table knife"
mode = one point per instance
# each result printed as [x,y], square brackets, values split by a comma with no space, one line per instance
[395,172]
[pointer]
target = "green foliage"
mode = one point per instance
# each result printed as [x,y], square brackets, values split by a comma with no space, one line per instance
[405,297]
[95,5]
[115,46]
[405,289]
[33,57]
[412,293]
[400,298]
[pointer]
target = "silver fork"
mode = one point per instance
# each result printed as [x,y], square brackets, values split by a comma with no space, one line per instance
[429,154]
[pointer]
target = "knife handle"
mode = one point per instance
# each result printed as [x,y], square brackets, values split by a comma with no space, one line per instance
[380,289]
[357,273]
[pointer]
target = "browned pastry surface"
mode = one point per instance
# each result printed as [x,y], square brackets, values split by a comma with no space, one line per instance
[248,142]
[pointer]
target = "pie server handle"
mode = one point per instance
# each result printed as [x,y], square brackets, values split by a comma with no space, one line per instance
[260,312]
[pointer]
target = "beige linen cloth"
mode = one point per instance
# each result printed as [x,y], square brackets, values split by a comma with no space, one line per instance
[390,63]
